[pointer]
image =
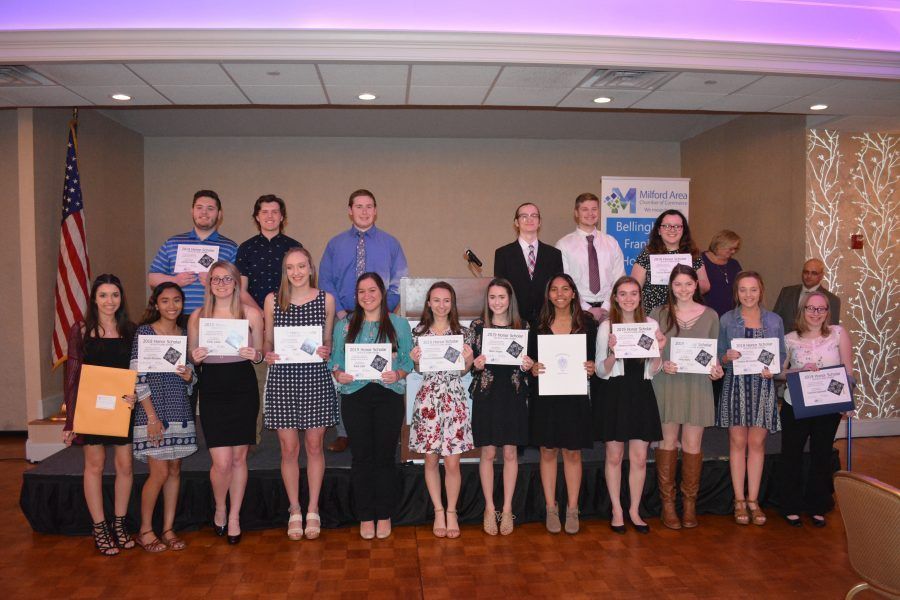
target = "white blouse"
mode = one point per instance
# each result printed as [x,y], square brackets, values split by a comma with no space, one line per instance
[618,368]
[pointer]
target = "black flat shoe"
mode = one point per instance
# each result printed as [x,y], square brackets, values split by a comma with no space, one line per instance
[820,522]
[795,522]
[620,529]
[640,528]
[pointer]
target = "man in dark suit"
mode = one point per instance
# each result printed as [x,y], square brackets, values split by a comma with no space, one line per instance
[528,263]
[789,299]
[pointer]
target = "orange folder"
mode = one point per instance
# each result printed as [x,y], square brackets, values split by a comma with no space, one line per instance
[99,407]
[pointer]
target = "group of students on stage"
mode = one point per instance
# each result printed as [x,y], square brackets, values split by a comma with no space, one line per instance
[631,400]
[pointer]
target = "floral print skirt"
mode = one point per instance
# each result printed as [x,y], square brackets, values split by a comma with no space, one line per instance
[440,420]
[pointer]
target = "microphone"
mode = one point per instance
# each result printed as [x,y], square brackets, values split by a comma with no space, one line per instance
[470,257]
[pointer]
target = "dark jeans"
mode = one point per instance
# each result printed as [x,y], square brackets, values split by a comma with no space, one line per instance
[373,417]
[794,432]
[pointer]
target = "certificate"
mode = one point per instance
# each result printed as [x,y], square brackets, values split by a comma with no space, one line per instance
[693,355]
[161,353]
[756,354]
[661,266]
[367,361]
[224,337]
[504,346]
[822,392]
[563,357]
[441,353]
[195,258]
[635,340]
[99,407]
[298,344]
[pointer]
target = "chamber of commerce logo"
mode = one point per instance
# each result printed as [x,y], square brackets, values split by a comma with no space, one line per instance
[617,201]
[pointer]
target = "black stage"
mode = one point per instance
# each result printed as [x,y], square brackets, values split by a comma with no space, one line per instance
[53,502]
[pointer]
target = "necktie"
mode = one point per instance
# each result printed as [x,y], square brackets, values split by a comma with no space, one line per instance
[360,253]
[593,266]
[531,260]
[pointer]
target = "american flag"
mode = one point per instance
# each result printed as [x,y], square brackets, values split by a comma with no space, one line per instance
[73,269]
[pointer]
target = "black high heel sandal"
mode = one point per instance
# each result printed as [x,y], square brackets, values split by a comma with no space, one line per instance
[123,540]
[103,539]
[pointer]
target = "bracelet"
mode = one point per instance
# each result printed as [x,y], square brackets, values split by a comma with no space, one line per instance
[152,421]
[261,357]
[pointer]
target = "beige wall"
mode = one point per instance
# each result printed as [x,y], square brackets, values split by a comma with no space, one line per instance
[438,196]
[12,406]
[749,175]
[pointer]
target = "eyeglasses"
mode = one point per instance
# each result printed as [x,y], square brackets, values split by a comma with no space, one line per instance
[816,310]
[536,216]
[221,280]
[669,227]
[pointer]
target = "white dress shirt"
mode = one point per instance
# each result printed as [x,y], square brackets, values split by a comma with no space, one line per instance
[610,261]
[525,246]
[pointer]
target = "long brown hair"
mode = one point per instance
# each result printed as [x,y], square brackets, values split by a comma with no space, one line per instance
[92,328]
[548,311]
[672,320]
[284,288]
[386,331]
[615,311]
[800,323]
[427,319]
[656,245]
[236,309]
[512,311]
[151,313]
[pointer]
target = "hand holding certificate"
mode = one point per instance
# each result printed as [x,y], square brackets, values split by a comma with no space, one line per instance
[661,266]
[161,353]
[224,337]
[367,361]
[100,407]
[195,258]
[298,344]
[635,340]
[756,354]
[441,353]
[821,392]
[504,346]
[563,358]
[693,355]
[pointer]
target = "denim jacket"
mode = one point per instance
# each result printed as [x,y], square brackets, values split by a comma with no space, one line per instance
[732,326]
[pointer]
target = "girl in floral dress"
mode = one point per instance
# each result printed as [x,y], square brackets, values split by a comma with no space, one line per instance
[440,423]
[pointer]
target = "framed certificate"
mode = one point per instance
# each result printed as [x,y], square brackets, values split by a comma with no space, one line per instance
[504,346]
[224,337]
[661,266]
[99,407]
[756,353]
[563,357]
[822,392]
[693,355]
[367,361]
[161,353]
[441,353]
[298,344]
[635,340]
[195,258]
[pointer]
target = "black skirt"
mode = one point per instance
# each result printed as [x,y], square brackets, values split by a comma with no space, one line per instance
[229,403]
[499,408]
[625,407]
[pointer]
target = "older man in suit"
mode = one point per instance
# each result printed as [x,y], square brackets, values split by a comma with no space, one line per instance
[789,299]
[528,263]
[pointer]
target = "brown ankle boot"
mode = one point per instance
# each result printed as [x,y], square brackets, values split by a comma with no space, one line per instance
[691,465]
[665,476]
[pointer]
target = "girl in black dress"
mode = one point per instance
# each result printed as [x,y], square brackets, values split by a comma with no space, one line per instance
[624,404]
[562,422]
[499,404]
[102,339]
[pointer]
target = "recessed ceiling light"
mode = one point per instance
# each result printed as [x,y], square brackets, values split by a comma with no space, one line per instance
[273,73]
[121,97]
[367,96]
[602,100]
[818,107]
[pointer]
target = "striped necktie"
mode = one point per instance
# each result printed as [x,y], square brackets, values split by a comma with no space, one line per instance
[531,260]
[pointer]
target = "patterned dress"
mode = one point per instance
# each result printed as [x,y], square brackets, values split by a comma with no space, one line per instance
[440,420]
[748,400]
[300,395]
[655,294]
[170,396]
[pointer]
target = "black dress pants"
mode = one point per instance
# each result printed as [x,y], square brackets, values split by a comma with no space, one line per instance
[373,417]
[820,432]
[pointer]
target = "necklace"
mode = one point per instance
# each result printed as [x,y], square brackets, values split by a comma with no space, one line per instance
[722,268]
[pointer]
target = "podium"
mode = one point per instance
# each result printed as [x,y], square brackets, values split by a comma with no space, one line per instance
[470,304]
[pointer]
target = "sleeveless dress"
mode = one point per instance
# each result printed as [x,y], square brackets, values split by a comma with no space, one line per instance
[300,395]
[748,400]
[499,399]
[115,353]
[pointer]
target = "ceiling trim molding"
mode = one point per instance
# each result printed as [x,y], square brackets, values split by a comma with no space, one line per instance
[438,47]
